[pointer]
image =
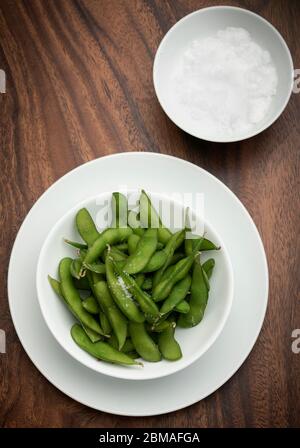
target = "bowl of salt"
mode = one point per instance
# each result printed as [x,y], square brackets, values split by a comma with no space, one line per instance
[223,74]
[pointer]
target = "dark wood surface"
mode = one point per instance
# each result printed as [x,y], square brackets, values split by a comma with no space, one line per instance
[79,85]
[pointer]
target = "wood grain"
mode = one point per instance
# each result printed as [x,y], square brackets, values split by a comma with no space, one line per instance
[79,85]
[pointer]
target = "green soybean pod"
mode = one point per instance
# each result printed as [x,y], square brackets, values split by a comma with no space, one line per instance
[198,300]
[116,318]
[120,293]
[208,267]
[72,297]
[143,299]
[133,241]
[183,307]
[119,207]
[117,254]
[177,294]
[144,250]
[147,284]
[150,218]
[121,247]
[134,223]
[205,245]
[168,346]
[108,236]
[93,278]
[139,278]
[100,350]
[169,250]
[180,270]
[99,268]
[75,268]
[104,322]
[90,304]
[86,226]
[127,346]
[143,344]
[94,337]
[75,244]
[160,326]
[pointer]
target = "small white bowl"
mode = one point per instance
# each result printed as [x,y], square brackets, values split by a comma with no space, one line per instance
[206,22]
[194,342]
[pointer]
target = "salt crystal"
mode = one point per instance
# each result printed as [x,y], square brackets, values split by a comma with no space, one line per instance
[225,83]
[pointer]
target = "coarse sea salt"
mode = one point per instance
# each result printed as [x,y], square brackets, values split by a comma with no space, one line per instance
[225,83]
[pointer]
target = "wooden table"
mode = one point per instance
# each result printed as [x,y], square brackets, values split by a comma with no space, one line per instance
[79,85]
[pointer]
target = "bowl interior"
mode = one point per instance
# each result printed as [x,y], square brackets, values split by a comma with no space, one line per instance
[206,22]
[194,342]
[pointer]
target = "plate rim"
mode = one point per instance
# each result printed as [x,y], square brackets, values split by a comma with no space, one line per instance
[253,226]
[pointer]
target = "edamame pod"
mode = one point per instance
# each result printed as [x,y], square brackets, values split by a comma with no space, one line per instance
[206,244]
[120,293]
[143,343]
[94,337]
[134,223]
[208,267]
[109,236]
[160,326]
[121,246]
[75,268]
[86,227]
[139,278]
[145,249]
[133,241]
[127,347]
[119,210]
[143,299]
[180,270]
[75,244]
[99,268]
[100,350]
[168,346]
[178,293]
[90,304]
[183,307]
[72,297]
[117,254]
[198,301]
[104,322]
[150,218]
[169,251]
[147,284]
[112,312]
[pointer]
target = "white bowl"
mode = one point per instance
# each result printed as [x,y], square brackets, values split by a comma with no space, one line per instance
[194,342]
[206,22]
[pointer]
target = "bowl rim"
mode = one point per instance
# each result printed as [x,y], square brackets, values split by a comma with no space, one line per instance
[244,11]
[117,374]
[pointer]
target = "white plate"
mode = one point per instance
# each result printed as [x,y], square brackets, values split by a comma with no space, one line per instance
[223,210]
[193,341]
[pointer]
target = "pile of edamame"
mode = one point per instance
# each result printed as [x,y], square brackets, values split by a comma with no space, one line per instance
[132,284]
